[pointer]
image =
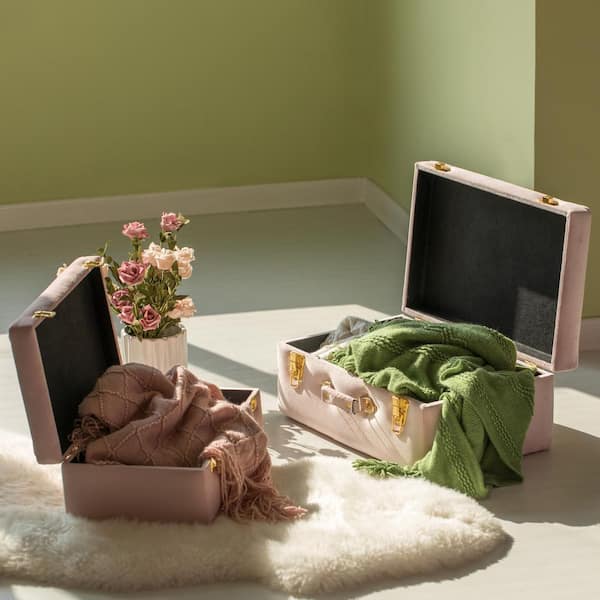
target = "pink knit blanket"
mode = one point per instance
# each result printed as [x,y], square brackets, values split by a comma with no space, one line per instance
[136,415]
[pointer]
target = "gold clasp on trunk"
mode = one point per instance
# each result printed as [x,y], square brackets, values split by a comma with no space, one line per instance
[400,406]
[296,368]
[44,314]
[253,403]
[441,166]
[545,199]
[92,264]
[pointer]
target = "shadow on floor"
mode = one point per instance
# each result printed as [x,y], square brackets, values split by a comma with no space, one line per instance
[232,369]
[438,576]
[585,378]
[561,485]
[289,440]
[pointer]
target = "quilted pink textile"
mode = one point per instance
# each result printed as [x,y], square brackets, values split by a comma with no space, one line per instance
[136,415]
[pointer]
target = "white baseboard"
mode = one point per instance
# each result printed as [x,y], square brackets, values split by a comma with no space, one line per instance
[106,209]
[390,213]
[590,334]
[80,211]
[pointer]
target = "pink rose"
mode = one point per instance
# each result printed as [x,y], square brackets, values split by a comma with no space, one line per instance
[164,259]
[149,255]
[183,308]
[135,230]
[185,254]
[185,270]
[150,318]
[170,222]
[120,299]
[184,257]
[131,272]
[127,315]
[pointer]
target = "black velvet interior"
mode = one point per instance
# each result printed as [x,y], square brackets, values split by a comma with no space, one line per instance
[481,258]
[236,396]
[309,344]
[77,346]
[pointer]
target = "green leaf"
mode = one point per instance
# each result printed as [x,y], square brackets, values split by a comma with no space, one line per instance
[115,273]
[110,286]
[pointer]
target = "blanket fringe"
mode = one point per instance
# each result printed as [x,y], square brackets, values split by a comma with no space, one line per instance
[384,469]
[87,429]
[250,498]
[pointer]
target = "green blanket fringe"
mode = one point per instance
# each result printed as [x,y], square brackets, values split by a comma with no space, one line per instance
[487,398]
[383,468]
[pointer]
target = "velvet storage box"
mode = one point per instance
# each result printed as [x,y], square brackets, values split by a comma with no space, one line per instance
[479,250]
[61,344]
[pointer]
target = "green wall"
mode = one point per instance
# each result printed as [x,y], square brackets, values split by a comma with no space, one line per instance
[101,97]
[452,80]
[567,129]
[109,97]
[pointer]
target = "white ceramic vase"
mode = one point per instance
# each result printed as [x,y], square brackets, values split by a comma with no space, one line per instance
[161,353]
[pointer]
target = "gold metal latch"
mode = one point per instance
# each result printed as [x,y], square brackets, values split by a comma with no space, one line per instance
[528,365]
[368,406]
[296,368]
[44,314]
[545,199]
[441,166]
[253,403]
[92,264]
[400,406]
[212,465]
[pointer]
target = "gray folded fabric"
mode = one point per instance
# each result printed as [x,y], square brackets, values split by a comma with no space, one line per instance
[348,327]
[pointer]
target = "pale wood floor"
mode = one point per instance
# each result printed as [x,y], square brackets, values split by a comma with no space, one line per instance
[262,277]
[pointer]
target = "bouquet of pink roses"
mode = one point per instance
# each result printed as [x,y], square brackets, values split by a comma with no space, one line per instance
[143,292]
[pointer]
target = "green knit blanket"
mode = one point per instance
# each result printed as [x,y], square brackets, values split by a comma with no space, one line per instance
[487,399]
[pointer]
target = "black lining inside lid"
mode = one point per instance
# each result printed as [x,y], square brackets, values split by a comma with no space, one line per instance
[77,346]
[309,344]
[236,396]
[482,258]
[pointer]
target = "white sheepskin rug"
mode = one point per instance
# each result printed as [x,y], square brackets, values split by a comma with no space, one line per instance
[359,530]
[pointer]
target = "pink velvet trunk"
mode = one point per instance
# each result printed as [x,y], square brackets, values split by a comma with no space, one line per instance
[479,250]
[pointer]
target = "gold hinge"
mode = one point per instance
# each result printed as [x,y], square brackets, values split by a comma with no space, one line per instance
[44,314]
[400,406]
[296,368]
[441,166]
[528,365]
[253,403]
[92,264]
[545,199]
[212,465]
